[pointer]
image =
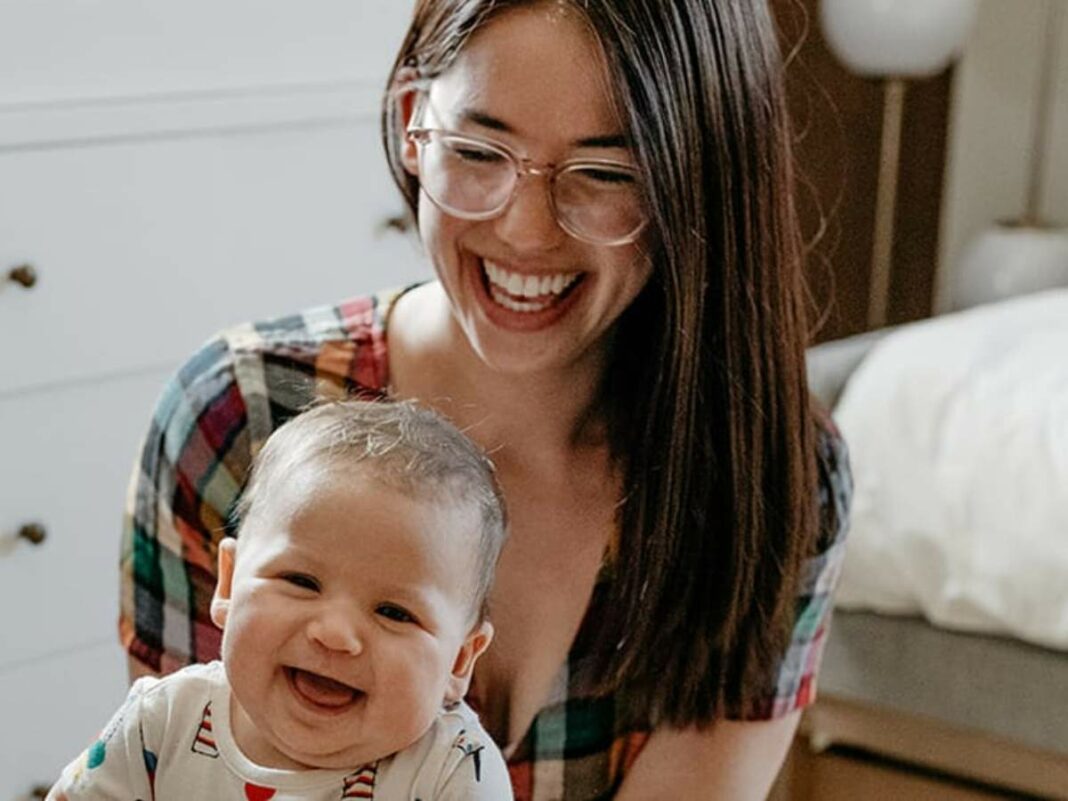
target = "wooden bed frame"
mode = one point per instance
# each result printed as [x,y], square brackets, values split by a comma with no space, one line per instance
[851,750]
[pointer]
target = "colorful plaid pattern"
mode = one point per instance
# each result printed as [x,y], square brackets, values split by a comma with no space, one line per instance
[218,411]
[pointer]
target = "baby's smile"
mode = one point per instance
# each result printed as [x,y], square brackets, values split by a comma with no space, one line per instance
[321,693]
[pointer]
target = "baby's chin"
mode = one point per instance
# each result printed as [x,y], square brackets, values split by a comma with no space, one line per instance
[325,755]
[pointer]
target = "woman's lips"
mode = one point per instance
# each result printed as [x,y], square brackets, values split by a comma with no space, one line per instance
[498,310]
[526,293]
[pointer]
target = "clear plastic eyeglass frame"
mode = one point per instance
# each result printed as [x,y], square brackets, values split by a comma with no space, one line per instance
[425,137]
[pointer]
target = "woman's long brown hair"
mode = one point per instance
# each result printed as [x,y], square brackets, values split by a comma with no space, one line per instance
[706,391]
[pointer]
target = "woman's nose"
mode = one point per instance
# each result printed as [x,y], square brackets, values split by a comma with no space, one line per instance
[336,630]
[528,223]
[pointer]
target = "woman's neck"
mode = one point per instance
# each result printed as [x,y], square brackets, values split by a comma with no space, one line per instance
[432,360]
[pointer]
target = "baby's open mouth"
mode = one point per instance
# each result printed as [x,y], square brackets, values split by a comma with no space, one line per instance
[321,691]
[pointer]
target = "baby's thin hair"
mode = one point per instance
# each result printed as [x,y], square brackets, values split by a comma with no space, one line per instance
[402,444]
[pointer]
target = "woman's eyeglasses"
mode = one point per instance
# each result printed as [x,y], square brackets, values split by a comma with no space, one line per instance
[596,200]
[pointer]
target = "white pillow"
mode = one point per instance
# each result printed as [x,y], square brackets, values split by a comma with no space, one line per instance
[958,435]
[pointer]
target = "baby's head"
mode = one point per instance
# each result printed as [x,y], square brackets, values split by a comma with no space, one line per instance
[353,602]
[400,446]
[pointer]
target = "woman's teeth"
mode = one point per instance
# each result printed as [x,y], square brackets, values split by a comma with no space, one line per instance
[526,293]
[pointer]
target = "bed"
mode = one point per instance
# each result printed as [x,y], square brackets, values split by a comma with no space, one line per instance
[962,671]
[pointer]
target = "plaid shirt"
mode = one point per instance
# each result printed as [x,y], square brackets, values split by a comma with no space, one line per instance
[218,411]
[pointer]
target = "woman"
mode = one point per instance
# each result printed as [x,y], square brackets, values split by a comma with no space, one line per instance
[604,189]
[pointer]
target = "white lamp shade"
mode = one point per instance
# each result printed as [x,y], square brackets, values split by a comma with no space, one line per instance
[1005,261]
[896,38]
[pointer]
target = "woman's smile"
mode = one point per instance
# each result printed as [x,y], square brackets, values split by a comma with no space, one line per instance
[526,292]
[523,300]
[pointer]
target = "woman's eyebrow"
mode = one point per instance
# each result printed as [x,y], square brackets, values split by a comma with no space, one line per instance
[485,120]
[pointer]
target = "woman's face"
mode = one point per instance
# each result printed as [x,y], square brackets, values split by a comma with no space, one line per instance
[527,295]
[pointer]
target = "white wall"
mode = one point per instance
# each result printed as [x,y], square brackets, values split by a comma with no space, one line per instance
[992,124]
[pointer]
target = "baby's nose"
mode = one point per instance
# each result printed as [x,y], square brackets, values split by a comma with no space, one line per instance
[336,631]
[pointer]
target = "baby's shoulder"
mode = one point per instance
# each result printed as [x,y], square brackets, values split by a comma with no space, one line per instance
[460,728]
[456,758]
[471,757]
[190,688]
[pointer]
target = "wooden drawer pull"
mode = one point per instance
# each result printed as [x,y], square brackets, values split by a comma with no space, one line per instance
[399,223]
[24,275]
[33,533]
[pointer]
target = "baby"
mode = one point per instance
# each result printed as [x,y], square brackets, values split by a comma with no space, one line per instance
[353,609]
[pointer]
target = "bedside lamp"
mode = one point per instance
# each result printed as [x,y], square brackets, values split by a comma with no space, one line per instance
[1014,257]
[893,40]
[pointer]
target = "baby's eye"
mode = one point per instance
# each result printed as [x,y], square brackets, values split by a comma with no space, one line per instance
[302,580]
[395,613]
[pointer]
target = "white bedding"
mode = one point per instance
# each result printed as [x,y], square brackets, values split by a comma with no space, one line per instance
[958,436]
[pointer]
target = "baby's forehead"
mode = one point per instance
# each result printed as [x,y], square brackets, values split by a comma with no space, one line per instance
[383,481]
[446,511]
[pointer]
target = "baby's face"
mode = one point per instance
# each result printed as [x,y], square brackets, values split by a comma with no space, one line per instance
[347,622]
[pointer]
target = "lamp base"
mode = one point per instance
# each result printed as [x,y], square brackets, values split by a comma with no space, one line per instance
[1008,259]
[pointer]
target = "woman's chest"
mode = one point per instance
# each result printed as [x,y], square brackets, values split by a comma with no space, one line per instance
[545,580]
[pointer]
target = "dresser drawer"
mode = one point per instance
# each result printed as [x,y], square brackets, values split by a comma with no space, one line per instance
[72,49]
[144,249]
[52,710]
[65,459]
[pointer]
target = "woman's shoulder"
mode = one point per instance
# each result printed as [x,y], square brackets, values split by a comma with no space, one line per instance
[273,368]
[317,339]
[223,403]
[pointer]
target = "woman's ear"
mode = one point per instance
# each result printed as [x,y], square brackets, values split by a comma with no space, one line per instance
[405,93]
[220,601]
[474,646]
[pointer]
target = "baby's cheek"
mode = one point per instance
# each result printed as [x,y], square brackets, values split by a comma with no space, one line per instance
[415,664]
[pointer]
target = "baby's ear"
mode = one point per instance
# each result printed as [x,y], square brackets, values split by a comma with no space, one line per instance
[460,678]
[220,601]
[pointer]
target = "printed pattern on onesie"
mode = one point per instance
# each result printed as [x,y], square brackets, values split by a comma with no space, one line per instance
[171,740]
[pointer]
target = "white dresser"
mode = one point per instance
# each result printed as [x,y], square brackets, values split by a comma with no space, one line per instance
[166,169]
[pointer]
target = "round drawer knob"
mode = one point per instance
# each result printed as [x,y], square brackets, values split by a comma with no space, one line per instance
[399,223]
[24,275]
[34,533]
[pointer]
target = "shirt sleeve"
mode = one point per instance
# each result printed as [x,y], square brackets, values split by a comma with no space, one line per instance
[119,765]
[795,680]
[190,472]
[479,774]
[211,419]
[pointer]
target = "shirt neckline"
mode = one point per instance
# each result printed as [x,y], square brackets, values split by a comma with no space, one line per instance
[252,772]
